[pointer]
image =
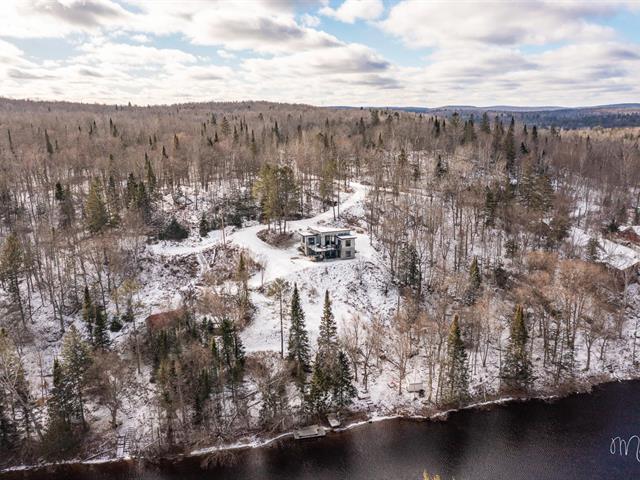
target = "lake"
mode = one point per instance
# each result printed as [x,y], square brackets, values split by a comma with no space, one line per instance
[570,438]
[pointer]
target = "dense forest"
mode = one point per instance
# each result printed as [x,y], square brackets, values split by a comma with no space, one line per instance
[496,257]
[605,116]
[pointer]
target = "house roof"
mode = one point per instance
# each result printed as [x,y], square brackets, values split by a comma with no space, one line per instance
[611,253]
[633,228]
[316,230]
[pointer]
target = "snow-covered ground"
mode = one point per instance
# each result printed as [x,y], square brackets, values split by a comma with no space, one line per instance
[356,286]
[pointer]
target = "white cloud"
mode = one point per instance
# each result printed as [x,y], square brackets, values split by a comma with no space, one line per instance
[352,10]
[479,53]
[121,54]
[9,52]
[224,54]
[344,60]
[309,20]
[140,38]
[428,24]
[255,30]
[58,18]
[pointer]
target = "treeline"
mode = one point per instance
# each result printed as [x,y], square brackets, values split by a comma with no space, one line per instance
[471,216]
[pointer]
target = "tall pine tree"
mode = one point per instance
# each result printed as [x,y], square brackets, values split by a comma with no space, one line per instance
[298,346]
[457,368]
[516,372]
[76,360]
[97,217]
[343,389]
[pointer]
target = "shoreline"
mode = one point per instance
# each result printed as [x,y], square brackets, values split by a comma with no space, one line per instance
[264,442]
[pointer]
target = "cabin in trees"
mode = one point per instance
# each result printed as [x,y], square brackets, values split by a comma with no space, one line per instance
[321,243]
[630,234]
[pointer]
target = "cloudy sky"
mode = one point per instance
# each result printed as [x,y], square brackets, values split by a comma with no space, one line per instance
[325,52]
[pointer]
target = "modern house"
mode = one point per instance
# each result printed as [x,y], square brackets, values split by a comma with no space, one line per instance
[321,243]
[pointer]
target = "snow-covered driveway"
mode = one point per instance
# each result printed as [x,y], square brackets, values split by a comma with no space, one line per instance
[282,262]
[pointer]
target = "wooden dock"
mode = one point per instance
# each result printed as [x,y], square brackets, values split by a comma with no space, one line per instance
[333,420]
[123,443]
[312,431]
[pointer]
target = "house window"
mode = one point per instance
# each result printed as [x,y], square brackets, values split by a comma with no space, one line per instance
[312,240]
[347,243]
[348,253]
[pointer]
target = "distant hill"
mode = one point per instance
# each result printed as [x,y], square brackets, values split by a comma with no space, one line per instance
[605,116]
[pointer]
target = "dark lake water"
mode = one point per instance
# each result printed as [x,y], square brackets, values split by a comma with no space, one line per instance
[564,439]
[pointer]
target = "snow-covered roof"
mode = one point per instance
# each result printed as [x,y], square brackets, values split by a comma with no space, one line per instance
[618,256]
[316,230]
[634,228]
[611,253]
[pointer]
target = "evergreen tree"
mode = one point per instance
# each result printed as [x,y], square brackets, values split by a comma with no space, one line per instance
[516,371]
[215,358]
[201,394]
[496,137]
[130,191]
[115,325]
[441,167]
[203,228]
[67,211]
[149,174]
[225,127]
[233,354]
[113,202]
[243,280]
[325,379]
[8,361]
[469,134]
[8,431]
[173,231]
[343,389]
[277,192]
[11,270]
[328,335]
[490,207]
[10,140]
[47,142]
[96,214]
[510,148]
[298,347]
[101,340]
[88,312]
[458,374]
[317,400]
[24,402]
[59,405]
[76,360]
[409,271]
[485,126]
[475,279]
[59,192]
[129,314]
